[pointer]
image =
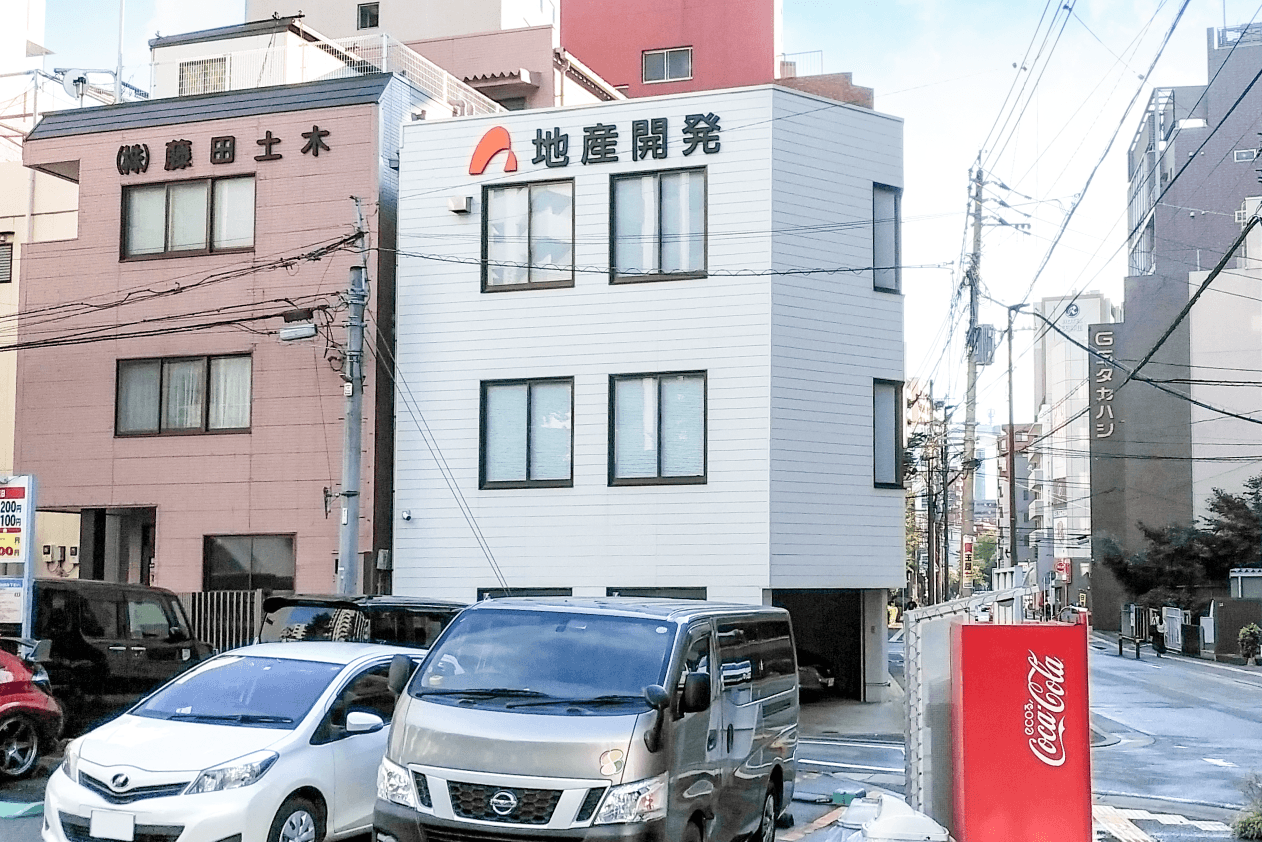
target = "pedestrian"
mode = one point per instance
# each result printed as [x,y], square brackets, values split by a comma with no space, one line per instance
[1159,636]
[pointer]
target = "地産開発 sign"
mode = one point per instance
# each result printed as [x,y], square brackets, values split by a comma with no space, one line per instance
[602,143]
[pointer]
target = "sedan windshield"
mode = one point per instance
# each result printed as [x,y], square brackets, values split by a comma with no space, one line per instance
[242,690]
[547,662]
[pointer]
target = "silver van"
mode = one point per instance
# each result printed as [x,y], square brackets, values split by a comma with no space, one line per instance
[594,719]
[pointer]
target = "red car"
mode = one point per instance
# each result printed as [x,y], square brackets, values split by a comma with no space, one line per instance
[30,719]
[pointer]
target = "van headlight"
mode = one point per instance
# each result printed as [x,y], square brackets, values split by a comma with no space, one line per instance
[639,801]
[235,773]
[394,784]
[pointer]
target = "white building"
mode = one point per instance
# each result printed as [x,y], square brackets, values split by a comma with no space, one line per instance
[710,417]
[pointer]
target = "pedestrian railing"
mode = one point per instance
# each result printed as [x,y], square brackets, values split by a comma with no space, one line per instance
[224,619]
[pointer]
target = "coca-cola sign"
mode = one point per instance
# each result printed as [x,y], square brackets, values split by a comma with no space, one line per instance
[1020,732]
[1045,710]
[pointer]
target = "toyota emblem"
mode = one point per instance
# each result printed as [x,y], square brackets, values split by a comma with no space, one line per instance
[119,781]
[503,802]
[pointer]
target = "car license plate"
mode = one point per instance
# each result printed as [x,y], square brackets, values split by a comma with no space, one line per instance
[106,824]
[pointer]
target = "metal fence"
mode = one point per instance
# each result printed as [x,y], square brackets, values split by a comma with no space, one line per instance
[224,619]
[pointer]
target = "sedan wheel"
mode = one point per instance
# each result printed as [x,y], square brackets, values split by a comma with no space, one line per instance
[297,820]
[19,747]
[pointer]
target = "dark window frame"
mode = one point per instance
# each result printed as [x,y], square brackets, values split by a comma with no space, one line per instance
[704,272]
[367,8]
[205,428]
[899,445]
[6,258]
[167,253]
[700,479]
[528,382]
[666,77]
[897,192]
[206,574]
[530,222]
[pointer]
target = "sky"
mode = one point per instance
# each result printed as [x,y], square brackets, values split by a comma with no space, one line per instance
[1037,91]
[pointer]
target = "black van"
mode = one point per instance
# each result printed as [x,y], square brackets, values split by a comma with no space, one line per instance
[111,643]
[396,620]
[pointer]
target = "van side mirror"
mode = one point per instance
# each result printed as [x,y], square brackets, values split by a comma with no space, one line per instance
[657,697]
[696,695]
[400,671]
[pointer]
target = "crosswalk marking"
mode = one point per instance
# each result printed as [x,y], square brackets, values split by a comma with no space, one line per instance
[1120,825]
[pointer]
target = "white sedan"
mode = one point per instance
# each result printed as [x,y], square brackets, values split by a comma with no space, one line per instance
[277,742]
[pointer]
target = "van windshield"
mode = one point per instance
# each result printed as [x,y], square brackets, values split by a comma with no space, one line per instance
[546,661]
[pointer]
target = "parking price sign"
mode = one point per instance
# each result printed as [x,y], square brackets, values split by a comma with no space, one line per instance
[17,526]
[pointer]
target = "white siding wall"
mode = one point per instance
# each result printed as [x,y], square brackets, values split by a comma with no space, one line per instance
[831,335]
[451,336]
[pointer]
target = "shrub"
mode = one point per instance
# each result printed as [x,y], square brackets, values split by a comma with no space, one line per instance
[1250,640]
[1248,826]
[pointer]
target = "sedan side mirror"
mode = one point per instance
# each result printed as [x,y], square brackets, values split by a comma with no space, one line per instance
[363,722]
[696,695]
[400,671]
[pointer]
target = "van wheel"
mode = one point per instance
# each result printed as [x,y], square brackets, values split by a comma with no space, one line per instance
[692,833]
[297,820]
[19,747]
[767,825]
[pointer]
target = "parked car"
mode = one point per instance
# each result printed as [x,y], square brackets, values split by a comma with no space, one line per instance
[599,719]
[30,719]
[394,620]
[815,675]
[265,743]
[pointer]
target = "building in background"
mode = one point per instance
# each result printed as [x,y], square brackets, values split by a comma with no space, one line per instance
[1064,378]
[155,401]
[1192,165]
[1026,495]
[613,384]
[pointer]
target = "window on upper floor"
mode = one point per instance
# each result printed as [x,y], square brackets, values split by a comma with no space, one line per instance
[672,65]
[657,428]
[528,236]
[181,395]
[1244,155]
[527,438]
[203,76]
[188,217]
[6,257]
[886,272]
[887,424]
[369,16]
[658,226]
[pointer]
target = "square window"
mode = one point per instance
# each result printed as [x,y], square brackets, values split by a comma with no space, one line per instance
[369,16]
[248,562]
[886,273]
[672,65]
[527,433]
[183,395]
[657,428]
[659,226]
[188,217]
[528,236]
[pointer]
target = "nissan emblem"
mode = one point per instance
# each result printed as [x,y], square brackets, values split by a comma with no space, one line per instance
[503,802]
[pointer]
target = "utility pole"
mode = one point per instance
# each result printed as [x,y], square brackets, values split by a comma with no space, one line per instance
[944,569]
[1012,452]
[353,375]
[970,403]
[931,517]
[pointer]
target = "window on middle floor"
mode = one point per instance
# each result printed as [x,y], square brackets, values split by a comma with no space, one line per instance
[886,273]
[528,236]
[657,428]
[369,16]
[188,217]
[659,226]
[527,433]
[667,65]
[183,395]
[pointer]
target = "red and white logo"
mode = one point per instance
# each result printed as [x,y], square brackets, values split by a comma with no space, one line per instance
[495,141]
[1045,709]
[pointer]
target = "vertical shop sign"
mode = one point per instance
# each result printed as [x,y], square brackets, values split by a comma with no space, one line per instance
[17,533]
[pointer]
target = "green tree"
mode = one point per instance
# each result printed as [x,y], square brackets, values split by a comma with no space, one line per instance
[984,557]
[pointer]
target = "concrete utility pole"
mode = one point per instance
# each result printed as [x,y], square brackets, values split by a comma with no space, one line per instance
[970,402]
[931,516]
[353,374]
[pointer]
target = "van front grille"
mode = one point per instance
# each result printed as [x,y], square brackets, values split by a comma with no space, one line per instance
[478,801]
[451,834]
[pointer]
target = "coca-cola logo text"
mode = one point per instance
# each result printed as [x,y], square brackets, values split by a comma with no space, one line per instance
[1045,709]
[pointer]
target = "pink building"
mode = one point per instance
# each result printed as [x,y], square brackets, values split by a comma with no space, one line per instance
[651,47]
[155,398]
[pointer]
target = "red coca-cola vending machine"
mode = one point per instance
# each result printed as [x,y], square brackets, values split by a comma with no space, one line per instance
[1021,733]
